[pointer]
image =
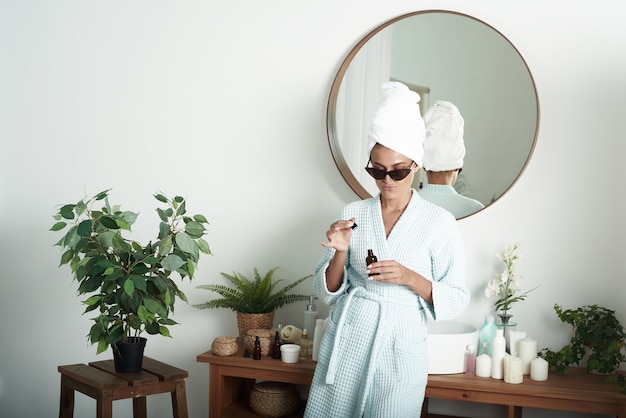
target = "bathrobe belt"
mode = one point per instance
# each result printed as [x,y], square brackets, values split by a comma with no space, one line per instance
[383,303]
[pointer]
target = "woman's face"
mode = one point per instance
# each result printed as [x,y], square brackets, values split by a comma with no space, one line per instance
[383,158]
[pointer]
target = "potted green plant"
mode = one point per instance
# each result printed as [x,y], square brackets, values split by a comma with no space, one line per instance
[253,299]
[129,283]
[598,338]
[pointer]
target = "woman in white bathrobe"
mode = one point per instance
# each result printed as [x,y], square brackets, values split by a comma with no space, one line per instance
[373,359]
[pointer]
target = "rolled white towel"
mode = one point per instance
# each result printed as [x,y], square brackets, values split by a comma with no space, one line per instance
[291,334]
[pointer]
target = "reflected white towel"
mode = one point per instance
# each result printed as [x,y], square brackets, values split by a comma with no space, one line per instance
[444,147]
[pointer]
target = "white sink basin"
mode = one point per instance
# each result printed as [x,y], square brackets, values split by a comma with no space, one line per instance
[447,341]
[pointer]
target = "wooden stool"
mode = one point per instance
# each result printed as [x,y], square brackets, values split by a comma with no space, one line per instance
[100,381]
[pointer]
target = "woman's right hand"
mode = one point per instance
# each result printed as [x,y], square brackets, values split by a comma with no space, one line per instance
[339,235]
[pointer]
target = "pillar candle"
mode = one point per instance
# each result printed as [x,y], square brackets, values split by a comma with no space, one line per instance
[514,337]
[527,351]
[483,365]
[539,369]
[513,370]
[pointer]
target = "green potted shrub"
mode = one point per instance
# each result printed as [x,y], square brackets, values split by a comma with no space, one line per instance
[129,283]
[253,299]
[598,338]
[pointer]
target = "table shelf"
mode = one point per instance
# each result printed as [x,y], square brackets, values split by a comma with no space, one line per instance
[231,379]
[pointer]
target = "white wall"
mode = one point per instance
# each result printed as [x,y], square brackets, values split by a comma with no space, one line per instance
[224,102]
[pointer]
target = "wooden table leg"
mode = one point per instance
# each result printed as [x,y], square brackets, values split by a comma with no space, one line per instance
[105,404]
[140,410]
[66,407]
[179,400]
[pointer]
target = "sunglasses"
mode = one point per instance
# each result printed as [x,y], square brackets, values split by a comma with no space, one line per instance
[397,174]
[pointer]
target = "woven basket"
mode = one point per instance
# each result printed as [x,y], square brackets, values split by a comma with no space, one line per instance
[224,346]
[274,399]
[246,321]
[265,336]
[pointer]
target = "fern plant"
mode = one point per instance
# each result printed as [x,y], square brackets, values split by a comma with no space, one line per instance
[256,295]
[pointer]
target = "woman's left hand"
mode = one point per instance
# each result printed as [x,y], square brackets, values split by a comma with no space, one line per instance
[390,271]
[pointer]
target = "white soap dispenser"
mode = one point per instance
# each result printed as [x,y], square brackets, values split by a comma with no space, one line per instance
[310,316]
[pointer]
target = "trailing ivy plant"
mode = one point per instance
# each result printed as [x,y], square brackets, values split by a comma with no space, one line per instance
[252,295]
[598,337]
[129,283]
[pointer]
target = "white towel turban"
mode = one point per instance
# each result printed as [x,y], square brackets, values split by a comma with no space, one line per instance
[397,123]
[444,148]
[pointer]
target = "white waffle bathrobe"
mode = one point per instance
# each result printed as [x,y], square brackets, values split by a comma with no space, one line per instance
[373,360]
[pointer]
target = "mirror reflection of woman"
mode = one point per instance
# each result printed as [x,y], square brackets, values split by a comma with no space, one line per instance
[444,150]
[373,359]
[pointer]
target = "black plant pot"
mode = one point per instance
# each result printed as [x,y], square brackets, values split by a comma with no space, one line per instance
[128,355]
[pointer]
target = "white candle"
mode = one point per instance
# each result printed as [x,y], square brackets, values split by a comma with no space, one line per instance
[514,337]
[539,369]
[513,370]
[483,365]
[527,351]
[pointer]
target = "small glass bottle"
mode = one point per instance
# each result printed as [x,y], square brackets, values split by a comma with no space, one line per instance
[306,345]
[371,258]
[256,354]
[276,346]
[470,360]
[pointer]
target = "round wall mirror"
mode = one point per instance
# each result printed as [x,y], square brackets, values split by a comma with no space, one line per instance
[447,56]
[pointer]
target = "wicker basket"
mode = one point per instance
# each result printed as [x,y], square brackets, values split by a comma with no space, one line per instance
[265,336]
[224,346]
[274,399]
[246,321]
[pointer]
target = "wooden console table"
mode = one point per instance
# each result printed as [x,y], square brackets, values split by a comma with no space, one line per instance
[231,379]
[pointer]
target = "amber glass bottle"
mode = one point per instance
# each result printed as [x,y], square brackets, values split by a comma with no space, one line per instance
[276,346]
[256,355]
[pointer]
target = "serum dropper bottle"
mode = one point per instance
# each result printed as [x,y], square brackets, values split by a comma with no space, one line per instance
[371,258]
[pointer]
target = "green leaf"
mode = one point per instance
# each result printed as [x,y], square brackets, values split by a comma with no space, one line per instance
[102,194]
[129,216]
[140,283]
[165,246]
[84,228]
[155,306]
[58,226]
[67,211]
[129,287]
[191,268]
[108,222]
[194,229]
[160,198]
[121,223]
[143,314]
[172,262]
[66,257]
[164,230]
[105,239]
[185,243]
[93,300]
[164,331]
[203,246]
[181,209]
[162,215]
[200,218]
